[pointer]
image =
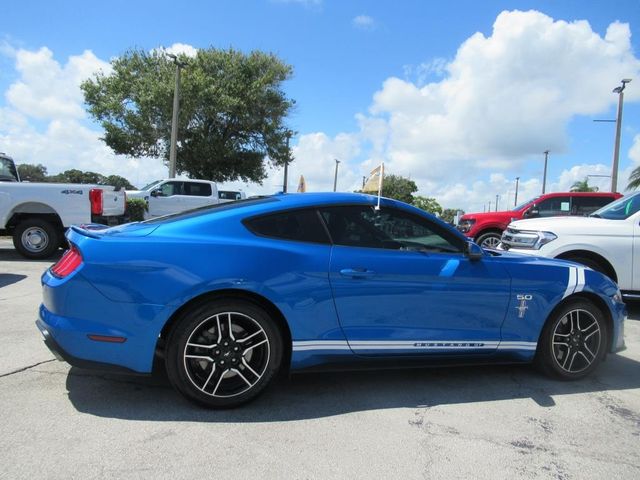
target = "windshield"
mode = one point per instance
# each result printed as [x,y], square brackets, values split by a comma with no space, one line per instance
[620,209]
[8,170]
[147,187]
[524,204]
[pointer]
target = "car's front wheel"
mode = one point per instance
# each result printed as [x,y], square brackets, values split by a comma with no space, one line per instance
[573,341]
[223,353]
[489,239]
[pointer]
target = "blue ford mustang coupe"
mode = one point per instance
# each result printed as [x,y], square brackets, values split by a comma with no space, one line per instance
[231,294]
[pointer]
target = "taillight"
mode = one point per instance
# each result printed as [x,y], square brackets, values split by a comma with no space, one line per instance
[95,197]
[69,262]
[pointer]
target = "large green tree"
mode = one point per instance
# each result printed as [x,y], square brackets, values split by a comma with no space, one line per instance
[449,214]
[398,187]
[32,173]
[232,110]
[428,204]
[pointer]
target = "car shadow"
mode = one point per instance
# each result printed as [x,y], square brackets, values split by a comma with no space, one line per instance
[309,396]
[12,255]
[10,279]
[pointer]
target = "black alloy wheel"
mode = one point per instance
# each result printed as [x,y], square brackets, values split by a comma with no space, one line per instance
[573,342]
[223,353]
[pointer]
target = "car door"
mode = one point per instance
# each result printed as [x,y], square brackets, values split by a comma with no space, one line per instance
[166,198]
[197,194]
[403,286]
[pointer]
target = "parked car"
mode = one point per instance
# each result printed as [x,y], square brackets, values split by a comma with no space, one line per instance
[173,195]
[37,214]
[230,195]
[486,228]
[8,170]
[230,294]
[607,241]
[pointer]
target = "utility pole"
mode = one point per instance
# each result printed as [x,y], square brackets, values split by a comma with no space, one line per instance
[515,200]
[489,209]
[335,177]
[285,182]
[544,175]
[364,179]
[174,118]
[616,144]
[497,196]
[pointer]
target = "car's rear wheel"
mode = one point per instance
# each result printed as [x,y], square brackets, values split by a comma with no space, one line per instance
[223,353]
[573,341]
[489,239]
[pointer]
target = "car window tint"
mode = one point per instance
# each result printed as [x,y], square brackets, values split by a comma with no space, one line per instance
[171,188]
[552,207]
[197,189]
[588,205]
[228,195]
[363,226]
[300,225]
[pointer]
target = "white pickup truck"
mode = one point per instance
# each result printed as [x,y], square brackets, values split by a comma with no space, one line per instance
[36,214]
[608,241]
[174,195]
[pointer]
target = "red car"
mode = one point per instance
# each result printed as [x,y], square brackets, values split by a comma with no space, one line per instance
[486,228]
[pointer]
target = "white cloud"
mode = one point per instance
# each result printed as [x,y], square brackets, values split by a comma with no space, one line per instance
[44,120]
[364,22]
[505,98]
[179,49]
[48,90]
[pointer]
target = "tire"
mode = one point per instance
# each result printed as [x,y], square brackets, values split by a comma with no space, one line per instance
[581,338]
[489,239]
[216,366]
[35,238]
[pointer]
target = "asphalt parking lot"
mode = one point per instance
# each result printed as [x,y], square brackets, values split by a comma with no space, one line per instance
[479,422]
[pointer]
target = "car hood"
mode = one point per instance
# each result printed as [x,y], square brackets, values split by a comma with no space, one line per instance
[573,225]
[507,214]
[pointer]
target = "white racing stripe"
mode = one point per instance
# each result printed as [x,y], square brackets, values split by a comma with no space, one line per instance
[410,345]
[571,283]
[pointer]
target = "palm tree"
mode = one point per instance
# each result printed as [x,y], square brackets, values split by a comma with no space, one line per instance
[583,186]
[634,179]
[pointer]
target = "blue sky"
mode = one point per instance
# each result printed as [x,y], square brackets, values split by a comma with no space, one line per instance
[373,81]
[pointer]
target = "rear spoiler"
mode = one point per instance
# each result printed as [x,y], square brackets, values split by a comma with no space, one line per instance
[89,229]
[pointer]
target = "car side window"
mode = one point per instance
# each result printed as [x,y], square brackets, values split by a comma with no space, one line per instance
[588,205]
[363,226]
[197,189]
[553,207]
[299,225]
[169,189]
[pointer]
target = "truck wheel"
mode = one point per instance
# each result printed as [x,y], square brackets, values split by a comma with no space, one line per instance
[489,239]
[35,238]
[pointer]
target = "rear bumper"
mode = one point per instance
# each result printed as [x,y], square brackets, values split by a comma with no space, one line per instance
[64,356]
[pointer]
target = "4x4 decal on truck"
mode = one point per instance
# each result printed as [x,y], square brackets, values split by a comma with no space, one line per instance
[72,192]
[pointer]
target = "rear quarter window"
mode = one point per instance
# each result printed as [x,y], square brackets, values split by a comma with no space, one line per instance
[297,225]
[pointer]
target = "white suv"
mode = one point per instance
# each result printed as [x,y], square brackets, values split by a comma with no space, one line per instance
[608,240]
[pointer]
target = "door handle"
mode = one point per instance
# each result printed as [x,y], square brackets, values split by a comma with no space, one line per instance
[357,272]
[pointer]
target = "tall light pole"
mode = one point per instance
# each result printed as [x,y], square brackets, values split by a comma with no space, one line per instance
[497,196]
[515,200]
[335,176]
[285,181]
[544,175]
[174,118]
[616,145]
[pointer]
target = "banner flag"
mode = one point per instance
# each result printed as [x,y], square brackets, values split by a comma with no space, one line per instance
[302,185]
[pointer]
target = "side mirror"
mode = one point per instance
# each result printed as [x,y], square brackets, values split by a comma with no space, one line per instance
[156,193]
[532,212]
[473,251]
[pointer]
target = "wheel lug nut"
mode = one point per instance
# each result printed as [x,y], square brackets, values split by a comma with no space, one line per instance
[221,362]
[235,349]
